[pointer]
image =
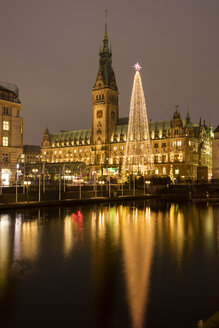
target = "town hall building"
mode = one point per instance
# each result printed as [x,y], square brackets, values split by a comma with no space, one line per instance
[180,148]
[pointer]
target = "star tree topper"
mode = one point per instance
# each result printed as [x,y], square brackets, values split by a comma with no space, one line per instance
[137,67]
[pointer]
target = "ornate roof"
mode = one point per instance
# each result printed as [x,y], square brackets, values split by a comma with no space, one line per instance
[69,136]
[83,137]
[105,76]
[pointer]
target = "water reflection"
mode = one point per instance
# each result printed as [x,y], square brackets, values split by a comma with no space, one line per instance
[26,240]
[134,229]
[120,244]
[73,231]
[4,248]
[137,228]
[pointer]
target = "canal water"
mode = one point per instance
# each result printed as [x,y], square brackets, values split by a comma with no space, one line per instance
[123,265]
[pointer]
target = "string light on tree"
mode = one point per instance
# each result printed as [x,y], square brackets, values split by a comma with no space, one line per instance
[138,154]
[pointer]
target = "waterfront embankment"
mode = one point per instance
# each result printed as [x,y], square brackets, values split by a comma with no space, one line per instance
[76,195]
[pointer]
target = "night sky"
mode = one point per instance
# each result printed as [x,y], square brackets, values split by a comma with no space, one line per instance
[50,49]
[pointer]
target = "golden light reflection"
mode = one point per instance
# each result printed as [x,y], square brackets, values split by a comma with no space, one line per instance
[137,229]
[68,235]
[176,231]
[29,240]
[4,247]
[209,228]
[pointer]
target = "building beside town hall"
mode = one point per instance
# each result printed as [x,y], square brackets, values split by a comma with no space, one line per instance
[215,154]
[11,132]
[180,148]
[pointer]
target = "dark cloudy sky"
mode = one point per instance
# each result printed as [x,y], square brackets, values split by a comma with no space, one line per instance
[49,48]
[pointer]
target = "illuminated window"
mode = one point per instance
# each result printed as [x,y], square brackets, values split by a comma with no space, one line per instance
[5,141]
[5,125]
[176,171]
[156,171]
[179,143]
[80,150]
[121,147]
[60,152]
[75,150]
[164,171]
[115,148]
[190,143]
[174,143]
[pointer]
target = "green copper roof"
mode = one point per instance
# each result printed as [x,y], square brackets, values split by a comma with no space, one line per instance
[83,137]
[69,136]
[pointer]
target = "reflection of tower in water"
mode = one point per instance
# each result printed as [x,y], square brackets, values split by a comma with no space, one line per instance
[137,228]
[105,262]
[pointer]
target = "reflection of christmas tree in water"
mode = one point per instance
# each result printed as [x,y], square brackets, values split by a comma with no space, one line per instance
[171,173]
[138,156]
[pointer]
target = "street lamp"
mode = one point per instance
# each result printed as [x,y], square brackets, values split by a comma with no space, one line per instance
[27,183]
[35,173]
[101,184]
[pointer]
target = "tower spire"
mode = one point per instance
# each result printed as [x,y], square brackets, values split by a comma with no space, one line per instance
[105,72]
[105,35]
[105,40]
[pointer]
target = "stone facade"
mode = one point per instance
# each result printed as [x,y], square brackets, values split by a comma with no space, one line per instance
[31,154]
[215,154]
[179,146]
[11,132]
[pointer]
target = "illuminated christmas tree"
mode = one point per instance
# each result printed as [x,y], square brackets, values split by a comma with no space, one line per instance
[138,155]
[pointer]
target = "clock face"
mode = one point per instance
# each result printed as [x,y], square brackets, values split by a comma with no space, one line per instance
[99,113]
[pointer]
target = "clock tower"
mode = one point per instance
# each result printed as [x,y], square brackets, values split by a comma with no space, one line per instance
[105,98]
